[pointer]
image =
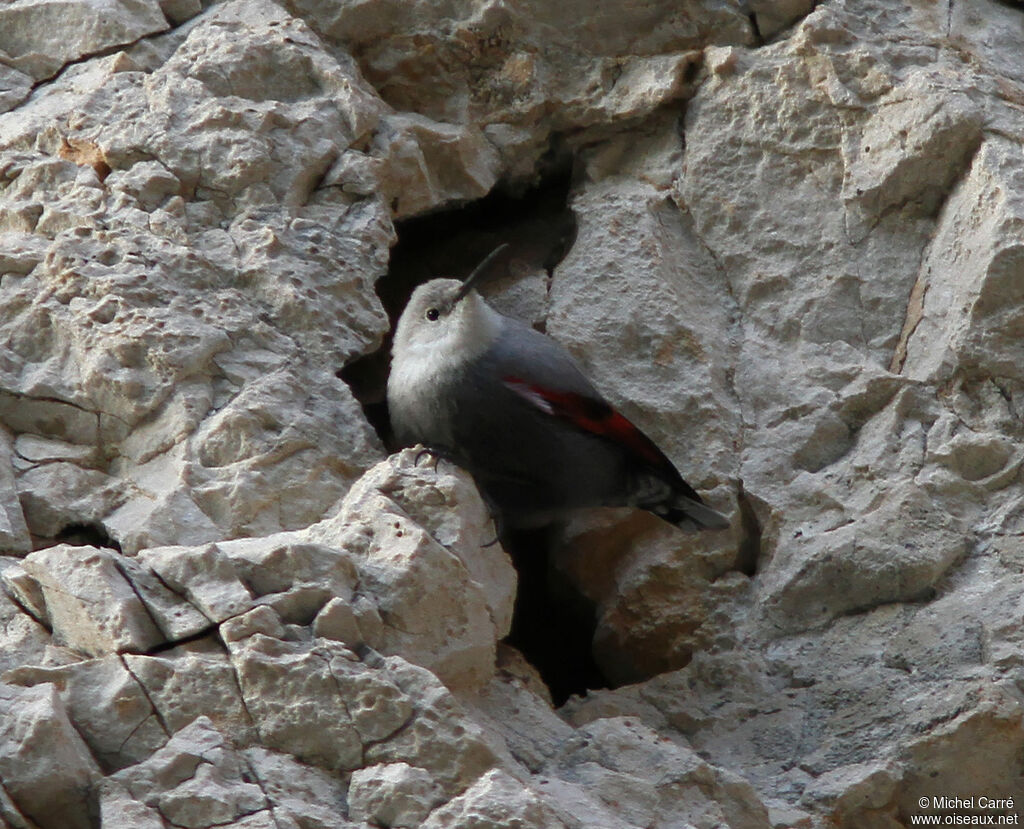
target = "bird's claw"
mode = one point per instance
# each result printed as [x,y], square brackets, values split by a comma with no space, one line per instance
[426,450]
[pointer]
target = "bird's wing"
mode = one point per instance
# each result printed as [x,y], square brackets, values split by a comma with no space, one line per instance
[593,414]
[538,370]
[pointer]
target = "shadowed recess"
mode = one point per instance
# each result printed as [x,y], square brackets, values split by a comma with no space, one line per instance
[536,223]
[553,625]
[79,535]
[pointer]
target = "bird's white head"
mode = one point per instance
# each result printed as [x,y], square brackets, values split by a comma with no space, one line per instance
[443,320]
[447,321]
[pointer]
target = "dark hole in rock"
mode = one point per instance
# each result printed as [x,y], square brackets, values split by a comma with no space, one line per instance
[170,645]
[553,624]
[748,553]
[81,535]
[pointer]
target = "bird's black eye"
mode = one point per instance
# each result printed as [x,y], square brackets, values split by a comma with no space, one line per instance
[433,314]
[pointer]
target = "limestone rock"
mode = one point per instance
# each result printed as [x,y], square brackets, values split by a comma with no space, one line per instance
[14,87]
[228,368]
[983,32]
[59,495]
[846,574]
[197,779]
[296,579]
[440,737]
[261,619]
[495,799]
[654,589]
[447,504]
[411,525]
[119,808]
[32,449]
[107,705]
[614,758]
[24,639]
[535,732]
[415,147]
[46,769]
[204,576]
[175,617]
[517,74]
[34,45]
[989,733]
[796,265]
[14,537]
[183,686]
[337,620]
[394,794]
[912,149]
[88,602]
[301,796]
[316,701]
[969,308]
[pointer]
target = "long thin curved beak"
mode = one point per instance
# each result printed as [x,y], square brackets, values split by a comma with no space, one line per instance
[480,270]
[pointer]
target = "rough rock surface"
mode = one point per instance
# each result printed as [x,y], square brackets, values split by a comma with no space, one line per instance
[798,266]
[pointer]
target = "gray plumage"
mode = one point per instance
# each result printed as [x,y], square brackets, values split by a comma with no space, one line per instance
[512,407]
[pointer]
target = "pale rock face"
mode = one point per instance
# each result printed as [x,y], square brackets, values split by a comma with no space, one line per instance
[179,685]
[411,526]
[969,317]
[393,794]
[797,267]
[46,767]
[196,777]
[92,607]
[189,315]
[14,87]
[205,577]
[108,706]
[285,685]
[496,799]
[301,796]
[34,45]
[25,639]
[14,537]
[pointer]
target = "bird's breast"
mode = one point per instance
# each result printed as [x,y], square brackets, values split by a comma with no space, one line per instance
[420,397]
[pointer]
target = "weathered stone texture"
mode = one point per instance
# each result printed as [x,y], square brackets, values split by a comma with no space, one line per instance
[797,265]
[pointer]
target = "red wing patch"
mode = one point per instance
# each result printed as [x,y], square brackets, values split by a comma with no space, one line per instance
[591,415]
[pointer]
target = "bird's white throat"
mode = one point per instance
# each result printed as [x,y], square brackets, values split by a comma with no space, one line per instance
[466,334]
[422,370]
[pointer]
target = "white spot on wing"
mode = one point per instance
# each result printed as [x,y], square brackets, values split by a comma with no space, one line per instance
[527,393]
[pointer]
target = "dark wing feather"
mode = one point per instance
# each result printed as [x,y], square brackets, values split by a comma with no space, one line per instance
[557,387]
[596,416]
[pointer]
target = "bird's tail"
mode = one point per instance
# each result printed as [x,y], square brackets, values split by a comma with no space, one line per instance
[676,501]
[690,514]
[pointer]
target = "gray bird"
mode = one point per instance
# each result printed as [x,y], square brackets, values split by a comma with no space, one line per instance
[510,406]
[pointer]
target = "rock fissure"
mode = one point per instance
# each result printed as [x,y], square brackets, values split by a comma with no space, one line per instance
[142,601]
[181,593]
[270,808]
[145,692]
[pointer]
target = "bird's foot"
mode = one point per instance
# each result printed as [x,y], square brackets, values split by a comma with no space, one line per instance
[430,451]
